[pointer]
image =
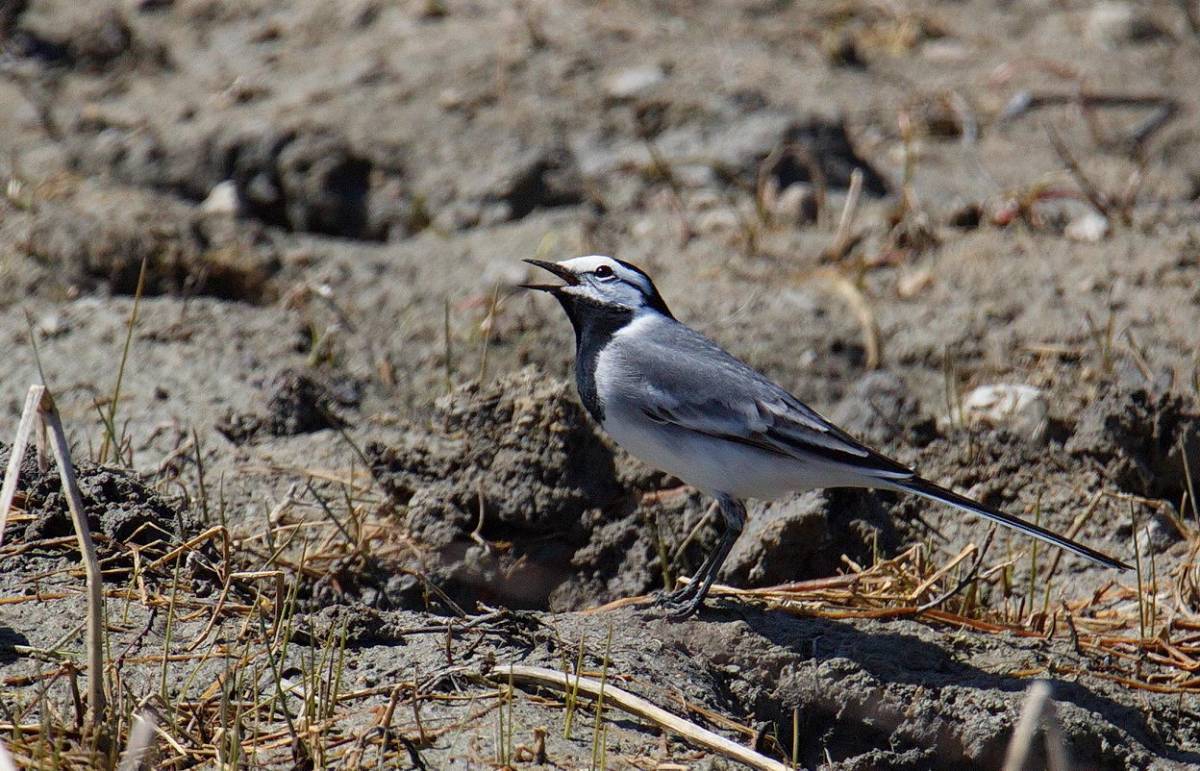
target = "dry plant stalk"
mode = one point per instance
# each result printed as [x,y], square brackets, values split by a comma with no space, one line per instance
[858,302]
[636,705]
[843,238]
[6,761]
[40,405]
[87,549]
[139,742]
[1038,710]
[1103,628]
[16,453]
[849,290]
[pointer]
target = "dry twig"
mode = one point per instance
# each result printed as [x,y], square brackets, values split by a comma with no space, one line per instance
[636,705]
[1038,709]
[16,453]
[40,405]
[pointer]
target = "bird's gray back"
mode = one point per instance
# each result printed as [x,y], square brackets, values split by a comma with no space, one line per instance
[677,375]
[681,364]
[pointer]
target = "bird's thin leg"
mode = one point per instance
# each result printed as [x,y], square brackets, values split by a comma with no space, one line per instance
[734,514]
[686,591]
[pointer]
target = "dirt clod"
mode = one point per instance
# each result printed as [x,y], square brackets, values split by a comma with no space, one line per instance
[308,179]
[825,149]
[299,403]
[100,238]
[1143,438]
[522,449]
[805,536]
[119,505]
[501,490]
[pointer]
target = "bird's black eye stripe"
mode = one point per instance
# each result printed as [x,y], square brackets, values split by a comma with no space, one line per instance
[603,272]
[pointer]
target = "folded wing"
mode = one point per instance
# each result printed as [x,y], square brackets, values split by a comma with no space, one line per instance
[703,389]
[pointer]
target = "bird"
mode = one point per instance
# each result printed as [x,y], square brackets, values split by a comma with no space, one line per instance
[679,402]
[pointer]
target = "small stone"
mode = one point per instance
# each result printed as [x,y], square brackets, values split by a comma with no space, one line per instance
[223,199]
[451,98]
[644,227]
[945,51]
[633,81]
[696,177]
[1088,228]
[52,325]
[1021,408]
[1113,24]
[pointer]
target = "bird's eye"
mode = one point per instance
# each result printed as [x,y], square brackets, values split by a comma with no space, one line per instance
[604,272]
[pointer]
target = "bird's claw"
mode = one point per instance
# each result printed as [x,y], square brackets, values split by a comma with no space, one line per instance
[681,611]
[665,598]
[677,605]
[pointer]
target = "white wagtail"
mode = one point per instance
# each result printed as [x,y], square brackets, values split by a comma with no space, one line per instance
[678,401]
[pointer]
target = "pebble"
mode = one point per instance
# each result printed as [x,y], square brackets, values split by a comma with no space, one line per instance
[53,325]
[1021,408]
[633,81]
[945,51]
[223,199]
[1114,24]
[1087,228]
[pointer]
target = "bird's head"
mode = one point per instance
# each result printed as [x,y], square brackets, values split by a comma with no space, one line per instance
[602,283]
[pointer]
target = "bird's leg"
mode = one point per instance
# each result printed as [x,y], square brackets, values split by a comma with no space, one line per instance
[734,514]
[687,590]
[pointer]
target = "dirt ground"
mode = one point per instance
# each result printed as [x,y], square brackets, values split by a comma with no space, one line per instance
[275,246]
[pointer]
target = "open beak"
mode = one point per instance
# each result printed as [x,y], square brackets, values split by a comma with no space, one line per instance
[565,274]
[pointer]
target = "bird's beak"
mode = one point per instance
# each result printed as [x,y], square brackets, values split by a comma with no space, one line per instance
[564,273]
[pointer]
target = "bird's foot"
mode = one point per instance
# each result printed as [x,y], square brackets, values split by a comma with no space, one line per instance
[681,610]
[677,597]
[677,605]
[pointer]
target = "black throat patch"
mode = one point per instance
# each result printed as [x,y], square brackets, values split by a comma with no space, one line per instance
[594,324]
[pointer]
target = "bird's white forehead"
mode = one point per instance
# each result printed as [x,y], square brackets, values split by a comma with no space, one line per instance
[590,263]
[593,261]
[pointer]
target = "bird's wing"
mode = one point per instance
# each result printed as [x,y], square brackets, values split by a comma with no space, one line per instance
[686,380]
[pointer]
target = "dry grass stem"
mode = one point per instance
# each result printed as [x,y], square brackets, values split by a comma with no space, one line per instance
[1108,628]
[139,741]
[1038,710]
[858,303]
[843,237]
[639,707]
[16,452]
[87,549]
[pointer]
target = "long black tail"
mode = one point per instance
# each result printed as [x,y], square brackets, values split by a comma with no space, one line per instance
[927,489]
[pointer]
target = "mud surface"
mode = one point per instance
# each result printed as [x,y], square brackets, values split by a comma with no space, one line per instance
[325,206]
